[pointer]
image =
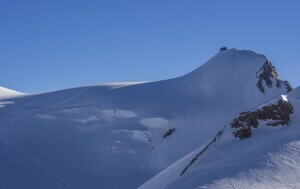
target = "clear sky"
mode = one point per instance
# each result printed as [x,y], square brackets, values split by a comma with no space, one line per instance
[54,44]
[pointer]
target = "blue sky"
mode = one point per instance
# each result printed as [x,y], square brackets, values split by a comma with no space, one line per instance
[56,44]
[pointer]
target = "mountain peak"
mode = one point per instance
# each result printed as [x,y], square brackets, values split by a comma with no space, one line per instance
[231,59]
[238,69]
[269,75]
[241,52]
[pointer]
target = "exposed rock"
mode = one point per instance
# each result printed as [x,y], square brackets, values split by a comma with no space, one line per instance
[249,119]
[268,74]
[243,133]
[276,115]
[169,132]
[280,113]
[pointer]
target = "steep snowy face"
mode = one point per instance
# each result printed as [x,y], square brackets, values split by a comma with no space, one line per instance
[238,74]
[230,69]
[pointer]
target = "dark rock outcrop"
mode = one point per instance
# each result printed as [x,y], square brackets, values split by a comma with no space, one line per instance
[268,74]
[169,132]
[275,115]
[243,133]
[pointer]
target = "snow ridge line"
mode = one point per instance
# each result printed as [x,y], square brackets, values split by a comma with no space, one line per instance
[215,139]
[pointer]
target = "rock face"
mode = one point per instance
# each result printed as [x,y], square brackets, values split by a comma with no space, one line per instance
[268,74]
[243,133]
[275,115]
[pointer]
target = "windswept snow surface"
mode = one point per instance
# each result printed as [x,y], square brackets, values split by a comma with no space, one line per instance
[112,136]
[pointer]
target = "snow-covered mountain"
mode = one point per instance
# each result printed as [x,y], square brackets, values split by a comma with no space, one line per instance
[122,135]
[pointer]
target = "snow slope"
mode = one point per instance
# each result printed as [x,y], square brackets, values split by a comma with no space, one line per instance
[270,158]
[8,93]
[120,136]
